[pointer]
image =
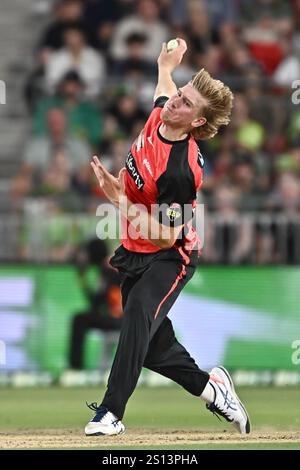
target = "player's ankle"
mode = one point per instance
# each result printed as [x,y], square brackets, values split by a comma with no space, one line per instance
[208,394]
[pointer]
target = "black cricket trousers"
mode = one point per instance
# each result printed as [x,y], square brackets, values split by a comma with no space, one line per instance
[150,285]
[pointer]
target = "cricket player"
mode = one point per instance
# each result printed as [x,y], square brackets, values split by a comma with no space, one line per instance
[159,251]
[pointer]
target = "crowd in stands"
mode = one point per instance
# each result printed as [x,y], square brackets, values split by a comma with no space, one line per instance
[92,88]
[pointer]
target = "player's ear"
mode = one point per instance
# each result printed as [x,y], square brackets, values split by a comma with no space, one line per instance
[199,122]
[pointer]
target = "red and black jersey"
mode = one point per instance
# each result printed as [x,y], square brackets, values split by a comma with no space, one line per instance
[165,172]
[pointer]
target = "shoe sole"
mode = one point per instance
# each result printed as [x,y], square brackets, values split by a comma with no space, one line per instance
[103,434]
[248,424]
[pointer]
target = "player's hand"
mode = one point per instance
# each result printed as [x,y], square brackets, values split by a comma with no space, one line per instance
[121,180]
[172,59]
[112,187]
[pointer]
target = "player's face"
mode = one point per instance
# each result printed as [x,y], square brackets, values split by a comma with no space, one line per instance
[183,110]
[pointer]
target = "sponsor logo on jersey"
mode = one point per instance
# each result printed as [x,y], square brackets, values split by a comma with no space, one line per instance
[133,171]
[173,212]
[147,165]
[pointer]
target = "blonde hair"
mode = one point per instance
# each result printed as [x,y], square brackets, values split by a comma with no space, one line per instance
[219,102]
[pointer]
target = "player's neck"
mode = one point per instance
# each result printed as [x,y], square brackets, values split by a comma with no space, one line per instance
[170,133]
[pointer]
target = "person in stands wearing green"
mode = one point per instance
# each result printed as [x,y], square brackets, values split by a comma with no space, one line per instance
[84,119]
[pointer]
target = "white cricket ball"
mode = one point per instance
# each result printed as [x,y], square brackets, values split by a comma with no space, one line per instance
[172,44]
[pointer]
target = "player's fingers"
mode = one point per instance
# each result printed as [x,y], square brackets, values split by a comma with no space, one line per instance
[121,172]
[121,179]
[182,43]
[101,166]
[96,159]
[97,169]
[98,163]
[97,173]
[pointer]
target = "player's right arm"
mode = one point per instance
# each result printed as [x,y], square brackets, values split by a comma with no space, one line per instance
[167,63]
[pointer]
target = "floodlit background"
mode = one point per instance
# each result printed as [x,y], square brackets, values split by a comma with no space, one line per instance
[77,78]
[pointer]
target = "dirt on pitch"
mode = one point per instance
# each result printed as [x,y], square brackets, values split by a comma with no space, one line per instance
[66,438]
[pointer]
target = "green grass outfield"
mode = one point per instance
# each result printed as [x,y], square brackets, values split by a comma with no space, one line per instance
[156,418]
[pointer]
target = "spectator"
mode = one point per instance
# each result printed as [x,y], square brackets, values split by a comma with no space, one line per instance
[240,60]
[223,15]
[220,173]
[210,58]
[266,25]
[289,69]
[84,120]
[76,55]
[294,126]
[50,162]
[105,308]
[231,236]
[114,158]
[102,17]
[177,14]
[243,178]
[117,153]
[278,11]
[66,13]
[136,47]
[98,12]
[249,133]
[199,26]
[145,21]
[296,24]
[285,230]
[286,196]
[125,115]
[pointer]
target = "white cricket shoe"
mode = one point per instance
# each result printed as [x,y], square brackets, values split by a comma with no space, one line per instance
[103,423]
[226,402]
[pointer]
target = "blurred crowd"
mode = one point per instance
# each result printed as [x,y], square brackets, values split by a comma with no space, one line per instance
[91,90]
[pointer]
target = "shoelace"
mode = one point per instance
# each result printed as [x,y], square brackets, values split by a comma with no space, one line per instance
[94,407]
[101,410]
[216,411]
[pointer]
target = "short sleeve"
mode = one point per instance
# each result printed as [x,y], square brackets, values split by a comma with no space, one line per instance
[197,169]
[176,189]
[154,117]
[160,101]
